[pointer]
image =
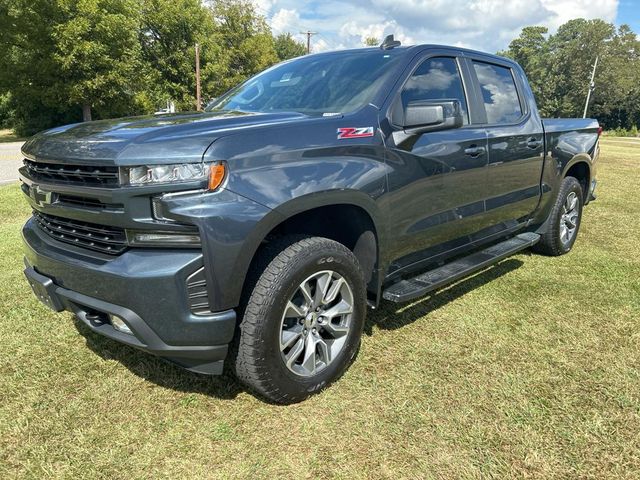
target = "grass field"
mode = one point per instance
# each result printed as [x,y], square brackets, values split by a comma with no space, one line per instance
[528,369]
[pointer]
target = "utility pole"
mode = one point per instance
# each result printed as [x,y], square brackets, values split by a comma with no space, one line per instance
[592,86]
[198,99]
[309,33]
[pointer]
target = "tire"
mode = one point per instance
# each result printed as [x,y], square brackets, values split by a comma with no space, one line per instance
[277,312]
[556,240]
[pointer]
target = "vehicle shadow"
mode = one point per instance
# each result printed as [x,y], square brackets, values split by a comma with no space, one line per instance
[159,371]
[226,387]
[389,316]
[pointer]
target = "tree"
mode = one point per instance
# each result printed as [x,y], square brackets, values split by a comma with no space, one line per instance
[287,47]
[6,112]
[559,68]
[97,51]
[371,42]
[531,51]
[63,58]
[168,34]
[246,45]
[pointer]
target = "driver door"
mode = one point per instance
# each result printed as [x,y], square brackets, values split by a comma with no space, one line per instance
[437,180]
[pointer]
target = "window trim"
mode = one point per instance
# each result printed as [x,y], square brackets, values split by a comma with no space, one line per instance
[524,106]
[456,57]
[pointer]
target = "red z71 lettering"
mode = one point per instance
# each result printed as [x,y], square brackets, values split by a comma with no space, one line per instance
[350,132]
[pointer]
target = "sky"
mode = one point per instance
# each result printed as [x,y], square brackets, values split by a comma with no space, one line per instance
[487,25]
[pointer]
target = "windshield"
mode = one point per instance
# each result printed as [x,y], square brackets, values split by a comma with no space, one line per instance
[314,85]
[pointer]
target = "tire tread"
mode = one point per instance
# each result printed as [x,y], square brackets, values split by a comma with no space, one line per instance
[550,243]
[277,259]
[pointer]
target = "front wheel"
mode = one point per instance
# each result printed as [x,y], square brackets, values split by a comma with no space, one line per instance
[564,220]
[303,319]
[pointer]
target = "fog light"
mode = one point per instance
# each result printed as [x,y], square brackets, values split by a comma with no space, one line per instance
[163,239]
[119,325]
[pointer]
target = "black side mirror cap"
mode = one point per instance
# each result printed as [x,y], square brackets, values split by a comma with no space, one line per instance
[430,116]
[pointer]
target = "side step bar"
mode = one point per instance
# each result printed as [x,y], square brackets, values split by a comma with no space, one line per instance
[412,288]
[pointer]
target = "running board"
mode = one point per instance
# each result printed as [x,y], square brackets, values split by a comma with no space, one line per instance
[412,288]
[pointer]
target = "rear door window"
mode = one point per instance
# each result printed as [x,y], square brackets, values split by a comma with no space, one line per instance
[437,78]
[499,93]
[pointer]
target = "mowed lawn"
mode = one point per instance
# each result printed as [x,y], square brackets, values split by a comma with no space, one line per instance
[528,369]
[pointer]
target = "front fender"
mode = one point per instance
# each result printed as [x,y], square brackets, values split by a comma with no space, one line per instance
[231,229]
[273,174]
[232,225]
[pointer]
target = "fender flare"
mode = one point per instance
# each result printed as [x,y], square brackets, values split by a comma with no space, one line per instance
[299,205]
[579,158]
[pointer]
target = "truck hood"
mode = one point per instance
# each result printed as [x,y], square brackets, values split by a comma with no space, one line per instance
[145,140]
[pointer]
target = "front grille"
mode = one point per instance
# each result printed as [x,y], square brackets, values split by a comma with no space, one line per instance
[88,203]
[111,240]
[98,176]
[197,291]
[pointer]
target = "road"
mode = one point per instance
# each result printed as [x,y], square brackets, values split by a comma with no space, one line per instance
[10,161]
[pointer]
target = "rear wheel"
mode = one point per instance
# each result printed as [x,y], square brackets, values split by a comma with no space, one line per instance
[303,319]
[564,220]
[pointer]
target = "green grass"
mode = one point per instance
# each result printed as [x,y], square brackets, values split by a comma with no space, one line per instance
[528,369]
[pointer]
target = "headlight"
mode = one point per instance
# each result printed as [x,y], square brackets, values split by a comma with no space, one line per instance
[150,174]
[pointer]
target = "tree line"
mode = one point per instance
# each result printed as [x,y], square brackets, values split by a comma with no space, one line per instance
[65,60]
[559,69]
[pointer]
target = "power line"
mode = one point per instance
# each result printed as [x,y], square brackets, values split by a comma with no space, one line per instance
[329,42]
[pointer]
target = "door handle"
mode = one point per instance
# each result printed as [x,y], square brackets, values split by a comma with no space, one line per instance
[474,151]
[533,144]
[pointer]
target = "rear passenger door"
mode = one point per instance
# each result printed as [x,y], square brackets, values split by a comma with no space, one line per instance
[515,138]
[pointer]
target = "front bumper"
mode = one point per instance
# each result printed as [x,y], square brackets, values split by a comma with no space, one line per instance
[144,287]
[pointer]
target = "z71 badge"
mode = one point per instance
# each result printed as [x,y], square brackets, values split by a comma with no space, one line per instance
[350,132]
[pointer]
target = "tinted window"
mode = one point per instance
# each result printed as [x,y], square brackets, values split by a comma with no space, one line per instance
[436,79]
[499,93]
[325,84]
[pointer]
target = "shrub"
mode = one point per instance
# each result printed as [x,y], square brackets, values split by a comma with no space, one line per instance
[6,111]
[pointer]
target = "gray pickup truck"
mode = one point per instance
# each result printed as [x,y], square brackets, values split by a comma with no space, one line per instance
[259,231]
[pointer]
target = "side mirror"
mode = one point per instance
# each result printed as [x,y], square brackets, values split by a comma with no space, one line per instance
[430,116]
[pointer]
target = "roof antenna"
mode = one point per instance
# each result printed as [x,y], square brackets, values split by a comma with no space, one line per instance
[389,43]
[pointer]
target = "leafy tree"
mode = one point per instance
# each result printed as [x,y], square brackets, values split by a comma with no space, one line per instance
[616,99]
[97,52]
[6,111]
[64,57]
[572,51]
[288,47]
[27,68]
[530,50]
[371,42]
[169,32]
[245,43]
[559,69]
[65,60]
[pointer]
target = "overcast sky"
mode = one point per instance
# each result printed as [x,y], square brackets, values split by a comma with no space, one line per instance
[487,25]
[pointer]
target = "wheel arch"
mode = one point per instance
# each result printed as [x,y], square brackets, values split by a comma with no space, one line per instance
[580,168]
[343,216]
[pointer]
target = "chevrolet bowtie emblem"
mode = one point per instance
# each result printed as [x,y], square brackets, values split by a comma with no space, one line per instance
[40,196]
